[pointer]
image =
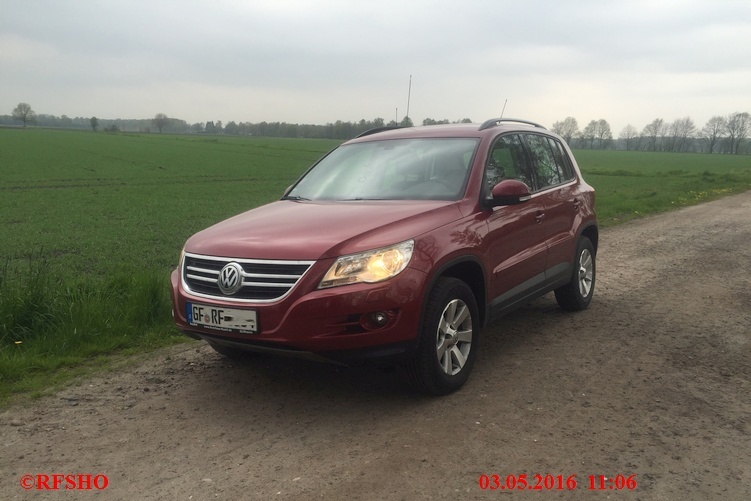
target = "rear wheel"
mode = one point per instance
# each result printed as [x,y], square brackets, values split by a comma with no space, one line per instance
[449,339]
[577,294]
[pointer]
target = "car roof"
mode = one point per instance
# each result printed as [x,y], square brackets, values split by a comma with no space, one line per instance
[489,127]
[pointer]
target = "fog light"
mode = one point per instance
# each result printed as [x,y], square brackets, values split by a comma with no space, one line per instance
[377,319]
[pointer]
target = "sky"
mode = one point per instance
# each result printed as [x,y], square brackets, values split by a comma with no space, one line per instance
[319,61]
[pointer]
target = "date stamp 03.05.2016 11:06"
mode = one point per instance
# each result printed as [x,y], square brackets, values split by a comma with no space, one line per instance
[539,482]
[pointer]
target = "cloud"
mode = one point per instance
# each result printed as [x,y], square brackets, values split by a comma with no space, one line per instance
[300,61]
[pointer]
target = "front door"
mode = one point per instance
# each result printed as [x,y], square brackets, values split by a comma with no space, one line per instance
[516,235]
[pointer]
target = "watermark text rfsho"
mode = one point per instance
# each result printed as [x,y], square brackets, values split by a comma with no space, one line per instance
[66,482]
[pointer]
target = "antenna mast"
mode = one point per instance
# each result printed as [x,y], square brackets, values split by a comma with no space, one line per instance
[409,94]
[504,107]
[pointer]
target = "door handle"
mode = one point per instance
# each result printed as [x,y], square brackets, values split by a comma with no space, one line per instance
[539,216]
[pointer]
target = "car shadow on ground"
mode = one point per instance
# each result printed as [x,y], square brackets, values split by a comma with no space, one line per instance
[237,386]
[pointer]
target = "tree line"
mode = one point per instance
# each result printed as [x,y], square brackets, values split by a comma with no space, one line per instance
[721,134]
[162,123]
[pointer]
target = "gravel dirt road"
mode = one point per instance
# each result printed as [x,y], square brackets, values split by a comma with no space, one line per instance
[653,380]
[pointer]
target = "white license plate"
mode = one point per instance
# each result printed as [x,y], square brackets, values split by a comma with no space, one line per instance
[223,319]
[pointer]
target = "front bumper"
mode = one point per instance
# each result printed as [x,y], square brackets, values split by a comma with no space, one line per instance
[330,323]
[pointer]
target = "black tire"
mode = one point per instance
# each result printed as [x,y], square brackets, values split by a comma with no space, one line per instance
[449,339]
[577,294]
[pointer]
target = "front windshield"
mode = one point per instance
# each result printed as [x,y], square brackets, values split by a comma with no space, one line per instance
[400,169]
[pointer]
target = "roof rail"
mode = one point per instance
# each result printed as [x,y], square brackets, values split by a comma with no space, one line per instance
[495,121]
[377,130]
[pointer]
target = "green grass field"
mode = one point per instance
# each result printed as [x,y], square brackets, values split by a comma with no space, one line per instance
[632,184]
[92,224]
[94,204]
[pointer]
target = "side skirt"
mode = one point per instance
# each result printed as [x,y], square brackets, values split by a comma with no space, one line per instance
[535,287]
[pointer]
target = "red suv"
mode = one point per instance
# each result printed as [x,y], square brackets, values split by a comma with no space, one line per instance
[399,244]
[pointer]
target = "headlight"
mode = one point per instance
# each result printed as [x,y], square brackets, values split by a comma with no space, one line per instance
[369,267]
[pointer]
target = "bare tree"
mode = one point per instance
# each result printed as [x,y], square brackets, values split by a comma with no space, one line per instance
[597,130]
[567,129]
[680,130]
[629,134]
[737,130]
[160,121]
[652,131]
[589,133]
[603,133]
[713,132]
[24,113]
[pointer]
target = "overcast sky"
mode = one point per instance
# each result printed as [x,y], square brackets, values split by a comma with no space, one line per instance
[318,61]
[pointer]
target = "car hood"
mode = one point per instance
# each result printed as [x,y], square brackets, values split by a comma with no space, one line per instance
[305,230]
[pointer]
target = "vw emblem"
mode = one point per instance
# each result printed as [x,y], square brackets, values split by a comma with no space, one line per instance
[230,278]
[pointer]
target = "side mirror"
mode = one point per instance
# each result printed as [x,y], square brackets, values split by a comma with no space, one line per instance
[510,192]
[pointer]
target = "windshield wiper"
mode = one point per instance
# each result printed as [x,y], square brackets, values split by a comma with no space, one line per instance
[295,198]
[364,199]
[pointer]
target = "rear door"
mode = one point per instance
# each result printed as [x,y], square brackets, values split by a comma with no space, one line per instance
[559,195]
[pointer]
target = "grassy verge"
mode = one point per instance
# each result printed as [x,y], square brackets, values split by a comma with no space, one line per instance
[52,330]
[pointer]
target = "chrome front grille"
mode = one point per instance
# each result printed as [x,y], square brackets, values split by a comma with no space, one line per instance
[262,280]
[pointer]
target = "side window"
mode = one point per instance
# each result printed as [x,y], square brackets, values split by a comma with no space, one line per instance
[562,159]
[507,161]
[543,161]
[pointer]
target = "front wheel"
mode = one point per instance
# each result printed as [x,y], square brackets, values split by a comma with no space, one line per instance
[449,339]
[577,294]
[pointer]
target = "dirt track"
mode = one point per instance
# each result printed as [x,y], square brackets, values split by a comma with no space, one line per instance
[654,380]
